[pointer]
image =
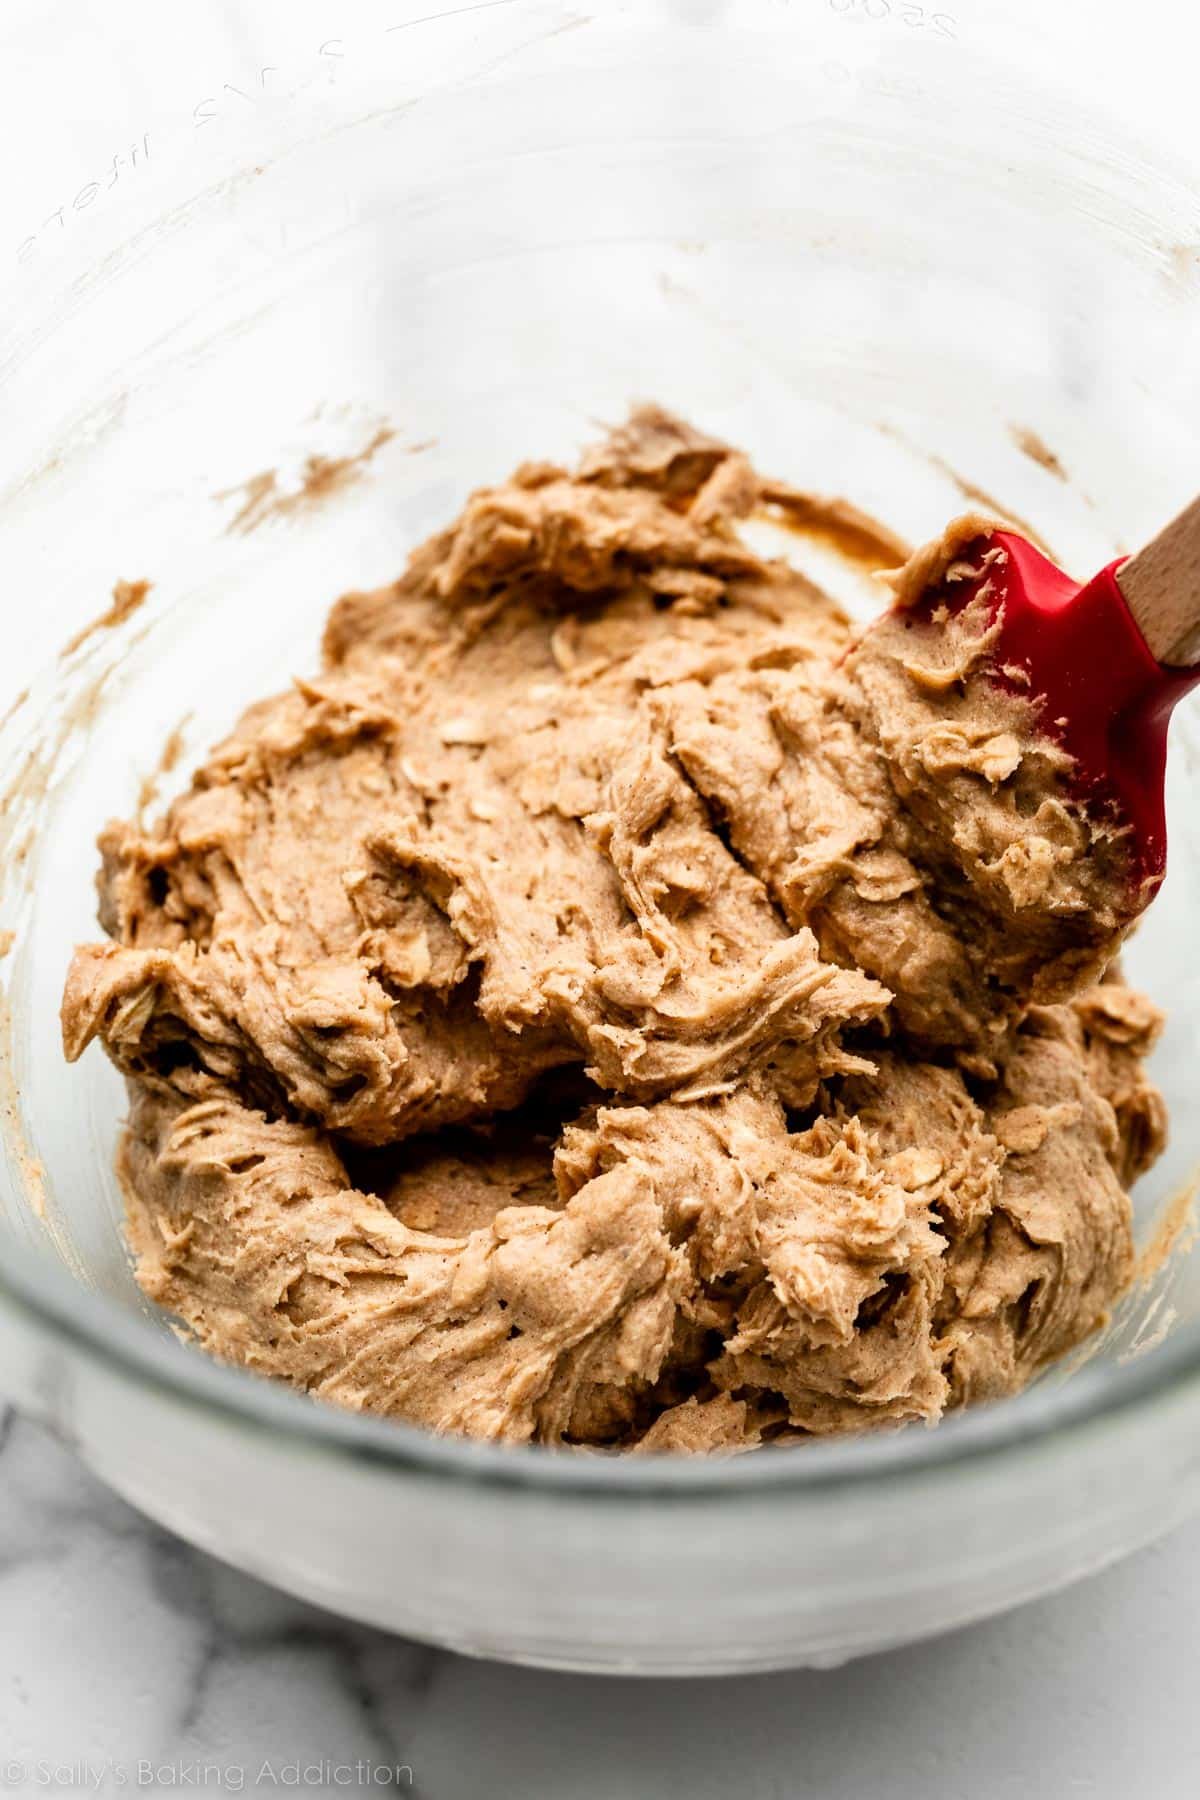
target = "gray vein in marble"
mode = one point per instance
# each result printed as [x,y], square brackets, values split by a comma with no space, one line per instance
[205,1662]
[187,1583]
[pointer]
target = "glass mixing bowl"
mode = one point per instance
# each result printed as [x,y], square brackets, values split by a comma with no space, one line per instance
[901,251]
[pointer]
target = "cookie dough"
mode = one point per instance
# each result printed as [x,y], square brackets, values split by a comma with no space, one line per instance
[608,1006]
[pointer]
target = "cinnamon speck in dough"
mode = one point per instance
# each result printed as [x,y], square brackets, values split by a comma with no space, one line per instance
[606,1006]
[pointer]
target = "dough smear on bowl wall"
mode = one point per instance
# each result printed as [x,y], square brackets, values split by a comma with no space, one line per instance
[606,1005]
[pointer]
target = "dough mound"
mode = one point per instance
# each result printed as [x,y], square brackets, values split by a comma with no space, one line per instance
[606,1006]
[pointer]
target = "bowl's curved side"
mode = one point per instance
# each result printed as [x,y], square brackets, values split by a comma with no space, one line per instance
[657,1583]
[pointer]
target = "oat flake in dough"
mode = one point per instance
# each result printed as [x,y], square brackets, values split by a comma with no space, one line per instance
[597,1009]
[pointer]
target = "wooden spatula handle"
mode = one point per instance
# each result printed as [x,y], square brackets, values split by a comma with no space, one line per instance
[1161,585]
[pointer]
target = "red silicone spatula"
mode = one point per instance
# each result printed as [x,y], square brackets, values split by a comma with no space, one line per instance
[1109,660]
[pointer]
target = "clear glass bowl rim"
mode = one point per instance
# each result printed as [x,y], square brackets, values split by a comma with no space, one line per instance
[50,1301]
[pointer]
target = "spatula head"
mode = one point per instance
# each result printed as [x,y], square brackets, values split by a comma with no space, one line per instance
[1078,652]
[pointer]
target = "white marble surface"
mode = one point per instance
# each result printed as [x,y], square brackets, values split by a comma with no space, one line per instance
[121,1647]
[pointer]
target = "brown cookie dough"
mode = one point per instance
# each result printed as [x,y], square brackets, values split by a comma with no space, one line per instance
[607,1006]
